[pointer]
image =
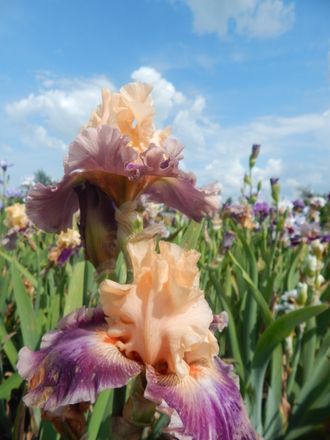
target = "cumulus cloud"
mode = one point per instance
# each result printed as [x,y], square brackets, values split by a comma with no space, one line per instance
[165,96]
[252,18]
[296,149]
[293,148]
[52,116]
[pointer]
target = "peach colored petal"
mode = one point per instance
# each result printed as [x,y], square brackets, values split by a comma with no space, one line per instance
[131,110]
[162,317]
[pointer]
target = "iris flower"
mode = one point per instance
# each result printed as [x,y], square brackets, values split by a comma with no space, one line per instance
[157,326]
[113,161]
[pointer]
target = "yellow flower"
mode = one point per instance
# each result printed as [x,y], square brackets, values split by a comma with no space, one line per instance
[69,238]
[16,216]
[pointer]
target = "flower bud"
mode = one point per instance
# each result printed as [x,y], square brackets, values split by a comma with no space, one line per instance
[275,188]
[254,154]
[319,281]
[247,179]
[302,293]
[317,249]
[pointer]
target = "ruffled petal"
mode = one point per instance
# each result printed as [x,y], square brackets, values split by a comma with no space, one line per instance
[75,362]
[159,161]
[99,149]
[207,401]
[180,193]
[51,207]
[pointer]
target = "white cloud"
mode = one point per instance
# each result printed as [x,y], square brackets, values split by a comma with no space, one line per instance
[165,96]
[216,152]
[296,149]
[54,115]
[252,18]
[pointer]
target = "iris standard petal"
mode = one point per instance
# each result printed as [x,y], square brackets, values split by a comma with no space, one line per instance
[75,362]
[207,400]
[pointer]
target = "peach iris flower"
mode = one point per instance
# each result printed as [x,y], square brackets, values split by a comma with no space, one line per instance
[111,163]
[158,326]
[131,110]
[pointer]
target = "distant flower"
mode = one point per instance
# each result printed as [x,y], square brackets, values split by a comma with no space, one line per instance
[14,193]
[298,204]
[28,181]
[220,322]
[5,165]
[157,326]
[16,216]
[228,240]
[67,243]
[261,210]
[285,207]
[242,214]
[18,224]
[317,202]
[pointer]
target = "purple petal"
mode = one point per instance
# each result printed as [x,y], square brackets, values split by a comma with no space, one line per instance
[180,193]
[75,362]
[65,255]
[100,149]
[159,161]
[207,401]
[51,207]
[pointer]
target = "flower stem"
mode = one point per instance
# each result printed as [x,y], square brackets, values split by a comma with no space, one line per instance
[119,397]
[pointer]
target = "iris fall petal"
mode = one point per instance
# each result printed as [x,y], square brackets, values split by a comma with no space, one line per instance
[207,401]
[75,363]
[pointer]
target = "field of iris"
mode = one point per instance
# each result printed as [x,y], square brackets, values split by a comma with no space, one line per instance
[266,266]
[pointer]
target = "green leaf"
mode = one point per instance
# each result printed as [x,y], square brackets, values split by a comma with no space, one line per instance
[266,314]
[30,331]
[233,339]
[308,349]
[274,421]
[313,389]
[280,329]
[293,273]
[24,272]
[98,413]
[8,346]
[191,235]
[13,382]
[47,431]
[75,296]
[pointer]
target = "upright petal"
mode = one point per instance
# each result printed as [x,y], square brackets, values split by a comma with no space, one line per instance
[207,401]
[75,362]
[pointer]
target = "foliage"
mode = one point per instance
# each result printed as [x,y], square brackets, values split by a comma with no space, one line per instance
[274,291]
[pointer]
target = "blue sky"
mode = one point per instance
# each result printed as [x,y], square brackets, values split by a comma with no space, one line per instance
[226,74]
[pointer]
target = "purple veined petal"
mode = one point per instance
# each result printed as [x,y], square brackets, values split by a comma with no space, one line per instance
[75,363]
[180,193]
[51,207]
[208,401]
